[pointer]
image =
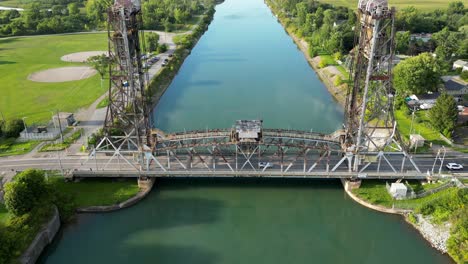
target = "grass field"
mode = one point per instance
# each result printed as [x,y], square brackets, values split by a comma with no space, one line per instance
[426,5]
[421,127]
[10,147]
[93,192]
[22,56]
[375,192]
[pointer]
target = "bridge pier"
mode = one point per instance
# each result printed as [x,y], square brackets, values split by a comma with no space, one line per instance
[145,183]
[351,184]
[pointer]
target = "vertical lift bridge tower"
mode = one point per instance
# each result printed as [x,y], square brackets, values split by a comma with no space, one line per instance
[126,127]
[369,122]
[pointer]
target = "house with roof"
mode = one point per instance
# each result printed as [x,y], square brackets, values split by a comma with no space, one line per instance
[454,86]
[460,64]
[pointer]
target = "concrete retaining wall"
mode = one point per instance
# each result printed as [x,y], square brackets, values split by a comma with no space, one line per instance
[43,238]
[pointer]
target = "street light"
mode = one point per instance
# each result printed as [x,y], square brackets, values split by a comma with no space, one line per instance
[25,127]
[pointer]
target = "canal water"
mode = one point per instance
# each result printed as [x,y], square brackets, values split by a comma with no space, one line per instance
[244,67]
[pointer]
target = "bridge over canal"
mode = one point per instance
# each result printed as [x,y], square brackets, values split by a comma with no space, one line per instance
[368,146]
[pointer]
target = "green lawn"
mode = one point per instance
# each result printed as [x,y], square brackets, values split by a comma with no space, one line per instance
[9,147]
[4,215]
[93,192]
[375,192]
[19,57]
[426,5]
[421,126]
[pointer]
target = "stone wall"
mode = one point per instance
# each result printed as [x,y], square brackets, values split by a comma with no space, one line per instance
[43,238]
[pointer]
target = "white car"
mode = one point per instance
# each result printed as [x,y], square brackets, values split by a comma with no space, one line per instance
[265,165]
[454,166]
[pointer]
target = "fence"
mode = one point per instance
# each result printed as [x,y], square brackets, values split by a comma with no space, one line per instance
[49,135]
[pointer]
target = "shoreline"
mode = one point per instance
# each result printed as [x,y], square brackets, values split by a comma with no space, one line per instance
[340,97]
[434,235]
[337,92]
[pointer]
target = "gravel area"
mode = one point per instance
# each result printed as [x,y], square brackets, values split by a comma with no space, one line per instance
[437,235]
[81,56]
[63,74]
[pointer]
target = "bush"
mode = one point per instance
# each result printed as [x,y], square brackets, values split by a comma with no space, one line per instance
[13,128]
[18,198]
[28,188]
[337,56]
[322,64]
[338,81]
[464,75]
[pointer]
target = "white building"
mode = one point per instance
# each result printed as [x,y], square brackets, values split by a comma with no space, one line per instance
[460,64]
[398,190]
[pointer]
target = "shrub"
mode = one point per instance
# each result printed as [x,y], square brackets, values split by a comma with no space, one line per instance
[337,56]
[322,64]
[338,81]
[23,194]
[13,128]
[18,198]
[464,75]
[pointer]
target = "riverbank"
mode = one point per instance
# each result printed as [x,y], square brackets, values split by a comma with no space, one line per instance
[327,74]
[161,81]
[434,228]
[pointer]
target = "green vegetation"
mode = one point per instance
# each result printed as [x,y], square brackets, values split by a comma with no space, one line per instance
[399,4]
[10,146]
[375,192]
[417,75]
[103,103]
[65,144]
[444,114]
[446,205]
[30,199]
[22,56]
[4,215]
[421,125]
[96,191]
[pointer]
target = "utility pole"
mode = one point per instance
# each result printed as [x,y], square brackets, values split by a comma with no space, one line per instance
[60,126]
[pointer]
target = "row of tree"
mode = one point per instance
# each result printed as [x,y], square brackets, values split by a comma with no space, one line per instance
[42,17]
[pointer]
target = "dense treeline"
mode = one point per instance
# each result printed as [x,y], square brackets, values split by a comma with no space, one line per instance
[330,29]
[61,16]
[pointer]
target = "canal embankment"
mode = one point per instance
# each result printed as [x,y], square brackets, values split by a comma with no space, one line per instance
[330,76]
[437,214]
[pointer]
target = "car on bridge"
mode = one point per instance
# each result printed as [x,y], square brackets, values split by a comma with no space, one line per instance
[454,166]
[265,165]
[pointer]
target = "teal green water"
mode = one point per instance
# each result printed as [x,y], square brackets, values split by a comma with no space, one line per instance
[246,67]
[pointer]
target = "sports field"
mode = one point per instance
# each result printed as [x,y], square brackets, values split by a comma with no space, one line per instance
[20,57]
[425,5]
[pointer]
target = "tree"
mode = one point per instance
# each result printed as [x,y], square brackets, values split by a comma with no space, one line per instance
[18,198]
[73,9]
[402,41]
[28,188]
[13,128]
[152,40]
[419,74]
[301,13]
[100,63]
[443,116]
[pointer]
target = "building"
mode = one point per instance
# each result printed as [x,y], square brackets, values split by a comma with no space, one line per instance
[454,86]
[416,141]
[63,119]
[460,64]
[398,190]
[422,36]
[248,131]
[429,98]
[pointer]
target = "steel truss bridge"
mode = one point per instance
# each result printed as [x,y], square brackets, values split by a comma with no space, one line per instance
[220,153]
[369,146]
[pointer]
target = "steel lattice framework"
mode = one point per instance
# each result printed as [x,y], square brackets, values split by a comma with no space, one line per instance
[367,145]
[370,125]
[126,126]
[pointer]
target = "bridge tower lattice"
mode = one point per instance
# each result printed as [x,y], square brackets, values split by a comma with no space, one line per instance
[127,125]
[369,121]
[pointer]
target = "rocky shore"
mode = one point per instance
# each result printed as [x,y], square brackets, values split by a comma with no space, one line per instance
[437,235]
